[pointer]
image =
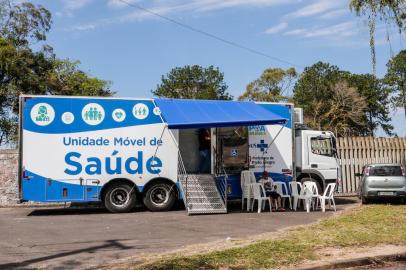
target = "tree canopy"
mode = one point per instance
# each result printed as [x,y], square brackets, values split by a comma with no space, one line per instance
[395,78]
[193,82]
[273,85]
[24,23]
[346,111]
[365,98]
[377,101]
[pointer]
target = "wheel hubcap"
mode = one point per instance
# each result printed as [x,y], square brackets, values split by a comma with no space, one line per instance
[119,197]
[159,196]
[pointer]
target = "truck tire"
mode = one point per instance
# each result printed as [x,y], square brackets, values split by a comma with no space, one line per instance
[319,187]
[120,198]
[160,196]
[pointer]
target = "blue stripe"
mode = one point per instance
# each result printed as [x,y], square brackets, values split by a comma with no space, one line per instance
[75,106]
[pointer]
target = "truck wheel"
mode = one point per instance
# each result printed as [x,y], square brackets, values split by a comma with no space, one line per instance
[319,188]
[160,197]
[119,198]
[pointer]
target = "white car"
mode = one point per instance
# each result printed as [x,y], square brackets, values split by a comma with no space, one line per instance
[382,180]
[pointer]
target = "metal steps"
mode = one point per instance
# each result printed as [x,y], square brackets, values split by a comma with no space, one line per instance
[201,195]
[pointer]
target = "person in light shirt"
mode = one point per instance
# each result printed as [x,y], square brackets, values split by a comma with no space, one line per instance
[270,190]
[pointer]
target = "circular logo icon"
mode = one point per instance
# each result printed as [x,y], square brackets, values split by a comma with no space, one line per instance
[93,114]
[118,115]
[68,118]
[140,111]
[42,114]
[157,111]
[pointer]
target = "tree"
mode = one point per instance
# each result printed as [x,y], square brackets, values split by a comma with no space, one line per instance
[25,71]
[193,82]
[314,88]
[24,23]
[389,11]
[346,114]
[273,85]
[395,78]
[317,87]
[21,71]
[67,79]
[377,98]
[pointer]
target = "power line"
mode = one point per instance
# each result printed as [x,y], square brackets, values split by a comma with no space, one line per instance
[218,38]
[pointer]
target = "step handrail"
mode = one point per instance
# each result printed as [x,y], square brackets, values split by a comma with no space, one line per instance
[183,177]
[220,172]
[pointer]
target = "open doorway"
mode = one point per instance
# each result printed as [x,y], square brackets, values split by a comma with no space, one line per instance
[195,148]
[227,148]
[232,149]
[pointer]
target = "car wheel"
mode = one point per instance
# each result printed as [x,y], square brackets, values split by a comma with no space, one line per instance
[119,198]
[160,197]
[364,200]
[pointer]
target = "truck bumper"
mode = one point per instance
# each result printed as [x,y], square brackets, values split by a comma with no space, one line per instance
[386,193]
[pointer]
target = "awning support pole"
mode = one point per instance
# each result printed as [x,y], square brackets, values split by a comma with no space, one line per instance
[160,138]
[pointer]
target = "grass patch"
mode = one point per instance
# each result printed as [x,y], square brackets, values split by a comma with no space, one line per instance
[367,226]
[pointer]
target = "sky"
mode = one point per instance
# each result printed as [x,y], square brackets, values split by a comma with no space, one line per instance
[133,48]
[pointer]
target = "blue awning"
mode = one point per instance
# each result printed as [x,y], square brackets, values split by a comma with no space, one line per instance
[186,113]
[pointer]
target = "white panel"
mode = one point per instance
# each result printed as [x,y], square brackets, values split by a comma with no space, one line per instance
[44,154]
[278,157]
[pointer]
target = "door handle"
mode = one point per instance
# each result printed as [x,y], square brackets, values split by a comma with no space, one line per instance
[314,166]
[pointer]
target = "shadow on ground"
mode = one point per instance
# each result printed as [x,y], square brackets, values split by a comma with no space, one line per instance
[109,244]
[234,206]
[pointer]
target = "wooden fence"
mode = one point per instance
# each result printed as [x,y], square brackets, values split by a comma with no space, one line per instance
[355,152]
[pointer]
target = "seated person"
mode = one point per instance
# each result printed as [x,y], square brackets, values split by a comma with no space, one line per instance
[270,191]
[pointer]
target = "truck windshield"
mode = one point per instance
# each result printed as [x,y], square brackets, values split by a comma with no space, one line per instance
[322,146]
[385,171]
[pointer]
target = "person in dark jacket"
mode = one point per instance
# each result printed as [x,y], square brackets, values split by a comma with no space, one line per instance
[204,150]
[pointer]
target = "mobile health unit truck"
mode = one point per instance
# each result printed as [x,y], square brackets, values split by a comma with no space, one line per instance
[119,151]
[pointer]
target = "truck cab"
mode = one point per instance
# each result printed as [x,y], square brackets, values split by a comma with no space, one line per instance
[316,156]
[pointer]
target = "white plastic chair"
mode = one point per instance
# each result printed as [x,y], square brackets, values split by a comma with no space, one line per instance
[247,178]
[260,195]
[312,186]
[328,195]
[280,187]
[305,195]
[295,188]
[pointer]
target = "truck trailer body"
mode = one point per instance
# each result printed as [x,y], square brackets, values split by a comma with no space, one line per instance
[119,151]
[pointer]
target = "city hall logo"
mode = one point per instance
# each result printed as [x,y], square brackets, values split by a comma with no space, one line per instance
[42,114]
[93,114]
[256,130]
[140,111]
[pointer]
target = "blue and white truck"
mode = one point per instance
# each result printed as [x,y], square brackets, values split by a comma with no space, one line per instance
[122,150]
